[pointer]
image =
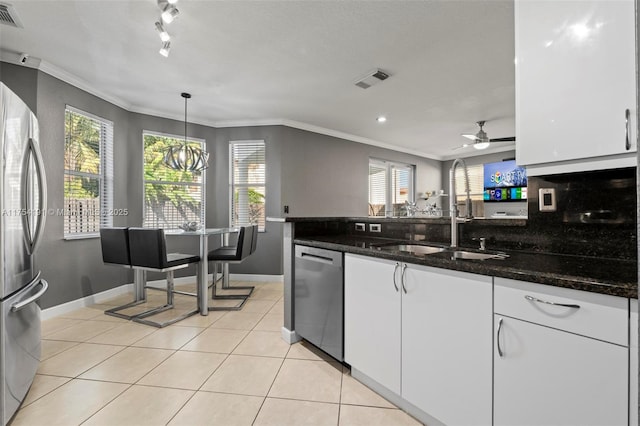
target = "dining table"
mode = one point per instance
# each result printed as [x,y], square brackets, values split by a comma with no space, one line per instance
[203,266]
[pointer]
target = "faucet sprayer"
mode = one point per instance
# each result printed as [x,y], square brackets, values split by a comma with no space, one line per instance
[453,204]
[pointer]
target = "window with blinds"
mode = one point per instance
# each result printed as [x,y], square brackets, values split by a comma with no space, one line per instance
[390,186]
[171,197]
[476,183]
[476,189]
[247,181]
[88,173]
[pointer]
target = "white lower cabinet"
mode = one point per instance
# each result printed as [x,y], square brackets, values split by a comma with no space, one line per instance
[555,357]
[423,333]
[446,344]
[545,375]
[372,319]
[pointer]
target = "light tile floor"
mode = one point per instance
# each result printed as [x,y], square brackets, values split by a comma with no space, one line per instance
[228,368]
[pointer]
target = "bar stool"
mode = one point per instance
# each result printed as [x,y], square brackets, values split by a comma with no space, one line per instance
[148,252]
[233,254]
[115,251]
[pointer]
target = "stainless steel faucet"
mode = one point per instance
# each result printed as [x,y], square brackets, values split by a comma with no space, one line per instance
[453,204]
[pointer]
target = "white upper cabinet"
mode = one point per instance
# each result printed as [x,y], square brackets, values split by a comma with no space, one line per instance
[575,82]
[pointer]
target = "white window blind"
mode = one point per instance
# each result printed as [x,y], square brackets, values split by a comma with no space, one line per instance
[88,173]
[476,183]
[390,185]
[247,180]
[171,197]
[377,188]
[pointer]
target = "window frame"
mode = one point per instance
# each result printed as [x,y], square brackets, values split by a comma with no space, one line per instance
[105,177]
[233,185]
[389,183]
[203,191]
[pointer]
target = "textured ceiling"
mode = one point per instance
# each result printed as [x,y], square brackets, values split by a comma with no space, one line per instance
[294,62]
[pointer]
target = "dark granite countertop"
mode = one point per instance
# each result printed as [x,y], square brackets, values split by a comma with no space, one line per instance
[427,220]
[606,276]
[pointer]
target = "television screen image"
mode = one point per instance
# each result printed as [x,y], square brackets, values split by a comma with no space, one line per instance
[505,181]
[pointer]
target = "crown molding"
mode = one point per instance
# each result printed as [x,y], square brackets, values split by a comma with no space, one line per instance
[79,83]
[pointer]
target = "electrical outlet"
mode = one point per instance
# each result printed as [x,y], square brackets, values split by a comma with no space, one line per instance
[360,227]
[375,227]
[286,209]
[547,200]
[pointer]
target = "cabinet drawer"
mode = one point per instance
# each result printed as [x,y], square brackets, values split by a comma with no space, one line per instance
[599,316]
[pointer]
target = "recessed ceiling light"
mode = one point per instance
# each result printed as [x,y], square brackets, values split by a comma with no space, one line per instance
[381,119]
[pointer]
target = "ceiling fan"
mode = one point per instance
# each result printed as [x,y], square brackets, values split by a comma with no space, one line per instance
[481,140]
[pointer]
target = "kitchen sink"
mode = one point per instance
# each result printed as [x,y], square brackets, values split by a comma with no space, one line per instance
[474,255]
[413,248]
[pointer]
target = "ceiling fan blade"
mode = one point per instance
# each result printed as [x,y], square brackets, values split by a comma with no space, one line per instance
[471,136]
[508,139]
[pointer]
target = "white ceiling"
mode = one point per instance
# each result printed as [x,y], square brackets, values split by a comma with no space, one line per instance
[293,62]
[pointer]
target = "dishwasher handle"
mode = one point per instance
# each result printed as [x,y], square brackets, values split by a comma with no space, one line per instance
[314,254]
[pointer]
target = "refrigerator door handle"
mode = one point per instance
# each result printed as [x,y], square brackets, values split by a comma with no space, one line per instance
[36,281]
[33,240]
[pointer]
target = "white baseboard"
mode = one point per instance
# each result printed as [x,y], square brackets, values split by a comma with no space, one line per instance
[257,278]
[64,308]
[289,336]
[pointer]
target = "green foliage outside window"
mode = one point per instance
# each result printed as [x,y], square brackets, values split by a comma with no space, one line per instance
[166,187]
[82,154]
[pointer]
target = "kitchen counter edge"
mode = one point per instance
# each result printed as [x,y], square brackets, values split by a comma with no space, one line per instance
[497,268]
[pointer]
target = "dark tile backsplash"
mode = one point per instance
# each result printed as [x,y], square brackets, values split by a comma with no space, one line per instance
[595,216]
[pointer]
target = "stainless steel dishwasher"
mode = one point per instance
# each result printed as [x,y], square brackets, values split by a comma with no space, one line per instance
[319,298]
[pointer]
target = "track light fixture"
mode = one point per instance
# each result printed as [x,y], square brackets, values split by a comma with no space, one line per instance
[164,35]
[164,50]
[169,13]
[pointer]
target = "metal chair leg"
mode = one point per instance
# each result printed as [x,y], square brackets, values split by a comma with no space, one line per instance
[142,318]
[226,286]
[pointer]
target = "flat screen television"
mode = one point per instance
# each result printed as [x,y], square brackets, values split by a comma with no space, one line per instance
[505,181]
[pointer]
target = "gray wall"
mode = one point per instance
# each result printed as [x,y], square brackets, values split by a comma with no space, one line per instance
[315,175]
[268,257]
[22,81]
[327,176]
[74,268]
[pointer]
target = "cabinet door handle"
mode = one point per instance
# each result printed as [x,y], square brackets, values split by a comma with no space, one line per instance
[627,123]
[500,353]
[404,269]
[564,305]
[394,276]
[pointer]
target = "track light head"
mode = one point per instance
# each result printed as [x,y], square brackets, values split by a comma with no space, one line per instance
[164,51]
[164,35]
[169,13]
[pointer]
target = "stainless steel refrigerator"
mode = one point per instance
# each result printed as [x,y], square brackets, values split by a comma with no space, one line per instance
[23,204]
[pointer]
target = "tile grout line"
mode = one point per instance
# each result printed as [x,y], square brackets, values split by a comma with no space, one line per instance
[116,324]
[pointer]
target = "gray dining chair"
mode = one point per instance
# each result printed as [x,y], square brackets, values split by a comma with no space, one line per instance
[245,246]
[115,251]
[148,252]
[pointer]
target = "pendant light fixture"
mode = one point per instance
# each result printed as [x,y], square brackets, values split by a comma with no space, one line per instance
[183,156]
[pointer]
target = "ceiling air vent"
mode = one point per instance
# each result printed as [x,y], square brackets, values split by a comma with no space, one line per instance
[371,78]
[8,16]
